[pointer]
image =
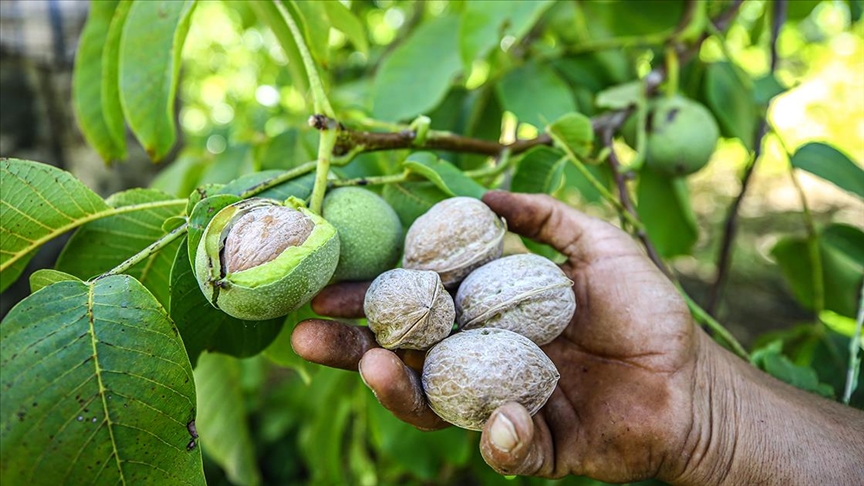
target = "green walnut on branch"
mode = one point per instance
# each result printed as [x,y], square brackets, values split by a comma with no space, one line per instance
[260,259]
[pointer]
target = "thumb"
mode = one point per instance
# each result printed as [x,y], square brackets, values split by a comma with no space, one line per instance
[510,443]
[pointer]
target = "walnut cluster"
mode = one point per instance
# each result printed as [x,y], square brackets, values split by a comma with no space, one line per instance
[505,308]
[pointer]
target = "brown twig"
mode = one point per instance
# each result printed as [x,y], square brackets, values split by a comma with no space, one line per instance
[607,135]
[730,226]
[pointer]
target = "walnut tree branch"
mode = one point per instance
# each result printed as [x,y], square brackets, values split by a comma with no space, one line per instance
[730,226]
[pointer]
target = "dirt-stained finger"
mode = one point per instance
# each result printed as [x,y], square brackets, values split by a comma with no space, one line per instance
[341,300]
[332,343]
[398,389]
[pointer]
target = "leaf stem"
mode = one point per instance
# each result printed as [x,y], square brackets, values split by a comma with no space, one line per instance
[327,140]
[301,169]
[154,247]
[371,181]
[703,317]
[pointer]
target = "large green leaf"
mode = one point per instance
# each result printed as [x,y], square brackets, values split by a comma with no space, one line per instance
[150,48]
[112,109]
[832,165]
[87,83]
[541,170]
[730,97]
[206,328]
[841,275]
[664,207]
[37,203]
[97,389]
[101,245]
[222,422]
[46,276]
[412,199]
[415,77]
[444,175]
[536,94]
[484,24]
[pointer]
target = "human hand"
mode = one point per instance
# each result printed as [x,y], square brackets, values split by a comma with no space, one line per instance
[623,405]
[643,393]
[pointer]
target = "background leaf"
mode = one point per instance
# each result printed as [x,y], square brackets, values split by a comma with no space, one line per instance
[418,73]
[575,131]
[343,19]
[150,48]
[87,83]
[38,202]
[535,93]
[412,199]
[206,328]
[101,245]
[485,23]
[311,18]
[730,98]
[664,208]
[541,170]
[444,175]
[221,423]
[832,165]
[97,389]
[112,109]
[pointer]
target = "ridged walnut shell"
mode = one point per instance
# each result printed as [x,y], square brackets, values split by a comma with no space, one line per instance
[259,259]
[454,237]
[409,309]
[471,373]
[524,293]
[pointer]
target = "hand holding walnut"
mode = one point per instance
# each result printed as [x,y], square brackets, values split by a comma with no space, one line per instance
[643,393]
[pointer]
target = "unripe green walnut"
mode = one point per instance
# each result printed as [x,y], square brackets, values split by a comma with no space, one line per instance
[259,259]
[454,237]
[682,135]
[524,293]
[409,309]
[471,373]
[370,233]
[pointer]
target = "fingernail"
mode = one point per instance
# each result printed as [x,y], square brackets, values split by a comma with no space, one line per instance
[503,433]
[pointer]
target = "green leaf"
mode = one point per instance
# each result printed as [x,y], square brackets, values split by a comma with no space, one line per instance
[269,14]
[484,24]
[342,19]
[38,202]
[575,131]
[841,276]
[412,199]
[312,19]
[101,245]
[772,361]
[847,240]
[112,109]
[535,93]
[621,96]
[222,422]
[664,208]
[206,328]
[541,170]
[280,350]
[415,77]
[87,84]
[45,276]
[766,89]
[150,49]
[730,97]
[97,389]
[443,174]
[832,165]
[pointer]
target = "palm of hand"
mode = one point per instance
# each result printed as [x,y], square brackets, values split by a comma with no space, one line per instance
[625,374]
